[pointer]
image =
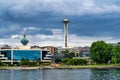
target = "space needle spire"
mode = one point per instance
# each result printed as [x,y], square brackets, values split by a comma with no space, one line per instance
[65,21]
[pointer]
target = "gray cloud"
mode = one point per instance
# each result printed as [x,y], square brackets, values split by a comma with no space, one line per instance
[42,18]
[29,8]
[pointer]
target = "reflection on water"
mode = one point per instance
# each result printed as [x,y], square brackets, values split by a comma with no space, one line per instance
[105,74]
[66,74]
[61,74]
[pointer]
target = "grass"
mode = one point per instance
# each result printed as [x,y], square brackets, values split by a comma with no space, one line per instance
[95,66]
[92,66]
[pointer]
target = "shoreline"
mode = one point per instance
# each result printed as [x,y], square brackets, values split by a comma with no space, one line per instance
[61,67]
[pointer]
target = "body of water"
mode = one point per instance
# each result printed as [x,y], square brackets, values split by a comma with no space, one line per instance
[61,74]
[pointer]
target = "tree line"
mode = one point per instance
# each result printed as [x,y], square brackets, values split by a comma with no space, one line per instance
[71,61]
[102,52]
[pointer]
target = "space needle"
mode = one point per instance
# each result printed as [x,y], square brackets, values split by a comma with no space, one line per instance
[65,21]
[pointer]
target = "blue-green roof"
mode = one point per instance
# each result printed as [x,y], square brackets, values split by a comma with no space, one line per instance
[24,41]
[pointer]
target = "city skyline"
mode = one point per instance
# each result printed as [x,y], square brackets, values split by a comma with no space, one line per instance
[41,21]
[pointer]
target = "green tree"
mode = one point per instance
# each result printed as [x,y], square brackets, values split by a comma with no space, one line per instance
[116,54]
[100,52]
[68,54]
[108,53]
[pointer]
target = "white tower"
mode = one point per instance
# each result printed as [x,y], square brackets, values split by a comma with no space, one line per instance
[65,21]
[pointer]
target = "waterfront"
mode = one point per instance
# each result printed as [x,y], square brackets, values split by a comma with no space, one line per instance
[60,74]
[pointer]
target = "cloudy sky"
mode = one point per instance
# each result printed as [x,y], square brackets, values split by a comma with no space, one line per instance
[41,20]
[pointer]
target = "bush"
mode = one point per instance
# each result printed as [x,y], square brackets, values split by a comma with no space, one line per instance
[10,64]
[33,63]
[57,60]
[1,63]
[114,60]
[45,63]
[25,62]
[66,60]
[75,61]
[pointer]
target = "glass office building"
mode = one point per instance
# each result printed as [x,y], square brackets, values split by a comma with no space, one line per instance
[17,55]
[6,54]
[26,54]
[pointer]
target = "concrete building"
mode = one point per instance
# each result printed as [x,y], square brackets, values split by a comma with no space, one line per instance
[115,44]
[79,51]
[85,52]
[51,49]
[75,50]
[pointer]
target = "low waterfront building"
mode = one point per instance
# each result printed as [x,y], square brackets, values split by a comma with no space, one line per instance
[79,51]
[85,52]
[15,55]
[2,57]
[51,49]
[74,49]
